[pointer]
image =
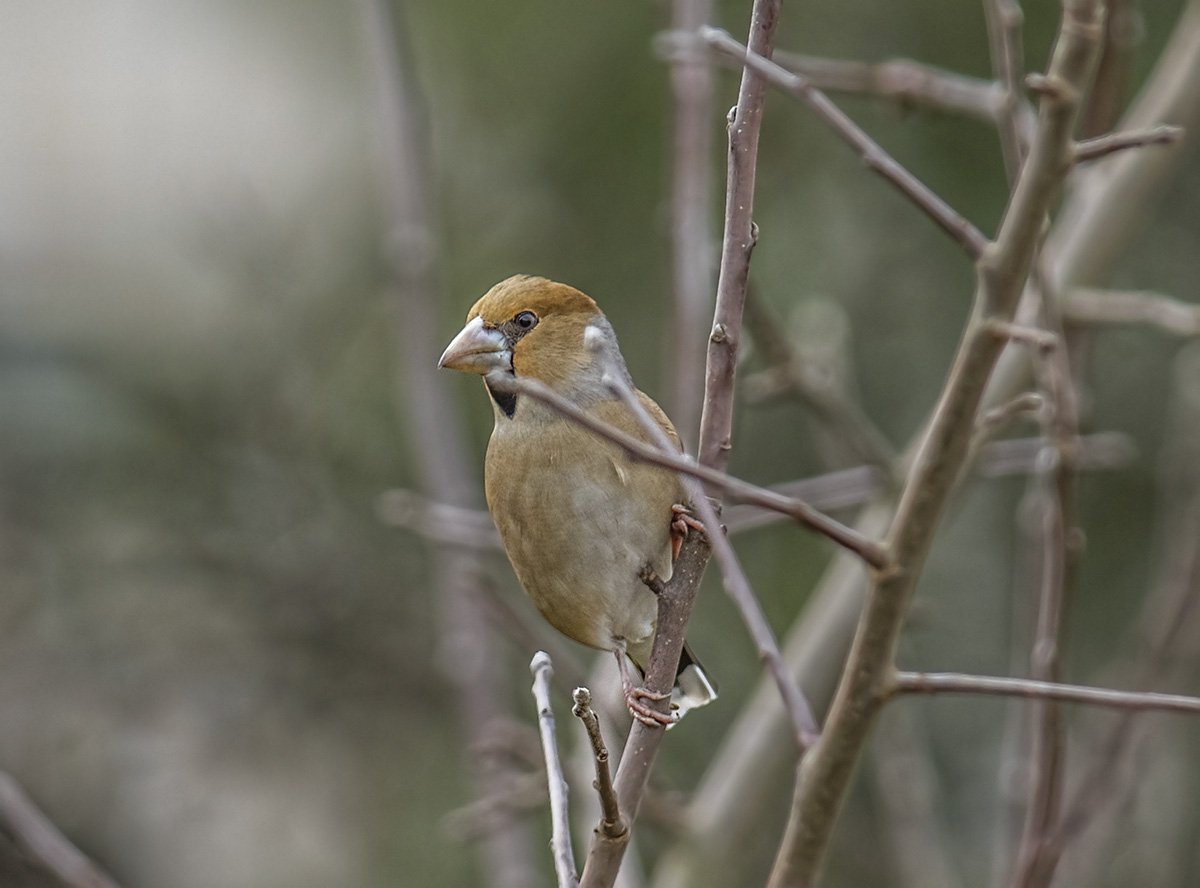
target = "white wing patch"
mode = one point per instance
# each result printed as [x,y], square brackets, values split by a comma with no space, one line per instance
[622,475]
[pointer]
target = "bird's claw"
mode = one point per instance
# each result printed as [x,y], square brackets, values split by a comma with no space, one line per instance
[645,714]
[682,523]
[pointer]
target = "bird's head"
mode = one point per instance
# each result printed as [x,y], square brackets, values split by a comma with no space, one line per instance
[537,329]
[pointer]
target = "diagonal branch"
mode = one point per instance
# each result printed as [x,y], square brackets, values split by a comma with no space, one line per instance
[743,491]
[41,841]
[949,220]
[560,820]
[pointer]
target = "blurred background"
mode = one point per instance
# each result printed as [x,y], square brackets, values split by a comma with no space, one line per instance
[218,665]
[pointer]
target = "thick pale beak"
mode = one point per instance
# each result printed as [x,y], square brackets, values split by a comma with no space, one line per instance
[477,349]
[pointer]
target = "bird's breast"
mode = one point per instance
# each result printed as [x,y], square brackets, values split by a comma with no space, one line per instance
[579,523]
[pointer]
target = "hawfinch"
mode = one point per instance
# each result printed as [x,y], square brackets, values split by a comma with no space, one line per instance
[579,520]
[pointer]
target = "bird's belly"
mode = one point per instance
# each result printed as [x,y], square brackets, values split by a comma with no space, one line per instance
[578,548]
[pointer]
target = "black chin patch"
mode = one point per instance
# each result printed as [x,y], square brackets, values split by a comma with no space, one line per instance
[506,401]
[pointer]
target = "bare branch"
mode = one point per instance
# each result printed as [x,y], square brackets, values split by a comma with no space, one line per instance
[1053,492]
[834,490]
[908,83]
[692,251]
[1018,456]
[957,683]
[1004,24]
[949,220]
[1092,306]
[560,821]
[612,824]
[1102,146]
[39,839]
[737,243]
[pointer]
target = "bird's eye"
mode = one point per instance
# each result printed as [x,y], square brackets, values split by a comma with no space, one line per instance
[525,320]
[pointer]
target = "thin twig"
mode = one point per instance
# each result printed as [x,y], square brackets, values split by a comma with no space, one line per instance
[612,824]
[1107,98]
[1062,545]
[692,252]
[801,512]
[1004,24]
[41,841]
[1102,451]
[949,220]
[560,821]
[1102,146]
[1093,306]
[958,683]
[908,83]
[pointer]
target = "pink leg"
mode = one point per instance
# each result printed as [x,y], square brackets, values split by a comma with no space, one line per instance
[634,696]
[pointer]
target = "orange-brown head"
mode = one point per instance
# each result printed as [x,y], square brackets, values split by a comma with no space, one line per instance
[534,328]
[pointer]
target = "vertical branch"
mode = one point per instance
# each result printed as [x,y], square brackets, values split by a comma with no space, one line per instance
[1055,485]
[556,784]
[1107,99]
[737,243]
[675,601]
[1004,23]
[691,204]
[467,648]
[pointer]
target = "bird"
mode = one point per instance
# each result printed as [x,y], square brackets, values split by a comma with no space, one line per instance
[581,523]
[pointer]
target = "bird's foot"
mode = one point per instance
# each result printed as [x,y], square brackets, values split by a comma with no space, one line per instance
[634,696]
[645,714]
[682,523]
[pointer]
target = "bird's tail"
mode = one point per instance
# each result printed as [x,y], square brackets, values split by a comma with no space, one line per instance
[693,688]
